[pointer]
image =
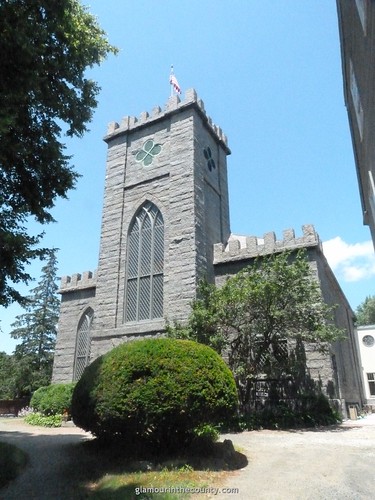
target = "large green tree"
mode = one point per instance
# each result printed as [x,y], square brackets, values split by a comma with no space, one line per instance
[37,329]
[7,376]
[256,316]
[366,311]
[45,48]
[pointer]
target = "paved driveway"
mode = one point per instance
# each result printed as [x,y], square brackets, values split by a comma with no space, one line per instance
[325,464]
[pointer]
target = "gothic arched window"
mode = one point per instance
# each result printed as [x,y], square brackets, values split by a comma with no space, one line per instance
[145,264]
[82,354]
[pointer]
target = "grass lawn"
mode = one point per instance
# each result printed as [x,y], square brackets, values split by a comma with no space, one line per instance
[165,484]
[120,476]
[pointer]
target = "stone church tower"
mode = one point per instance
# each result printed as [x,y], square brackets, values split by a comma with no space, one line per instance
[165,206]
[165,226]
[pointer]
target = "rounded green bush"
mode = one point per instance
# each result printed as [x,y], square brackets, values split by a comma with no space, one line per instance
[37,397]
[156,391]
[54,399]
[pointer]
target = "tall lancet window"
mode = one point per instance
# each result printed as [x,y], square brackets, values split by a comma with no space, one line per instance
[145,264]
[82,354]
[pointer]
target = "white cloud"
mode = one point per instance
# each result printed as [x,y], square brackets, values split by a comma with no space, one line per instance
[350,261]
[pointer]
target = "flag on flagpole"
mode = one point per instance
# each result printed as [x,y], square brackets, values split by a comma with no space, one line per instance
[174,83]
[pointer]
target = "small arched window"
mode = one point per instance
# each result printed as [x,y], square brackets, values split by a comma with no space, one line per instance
[82,354]
[145,264]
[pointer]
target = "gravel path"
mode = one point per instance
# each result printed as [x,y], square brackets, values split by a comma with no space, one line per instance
[50,452]
[324,464]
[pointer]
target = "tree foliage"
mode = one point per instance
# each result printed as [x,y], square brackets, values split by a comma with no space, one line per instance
[45,48]
[17,377]
[7,377]
[37,329]
[365,312]
[256,315]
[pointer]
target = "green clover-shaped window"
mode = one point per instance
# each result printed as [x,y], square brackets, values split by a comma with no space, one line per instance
[147,153]
[210,161]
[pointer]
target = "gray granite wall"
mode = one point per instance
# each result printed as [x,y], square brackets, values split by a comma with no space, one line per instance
[179,183]
[193,200]
[338,370]
[77,295]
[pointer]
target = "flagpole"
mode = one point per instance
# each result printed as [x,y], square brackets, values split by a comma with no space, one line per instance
[170,80]
[175,87]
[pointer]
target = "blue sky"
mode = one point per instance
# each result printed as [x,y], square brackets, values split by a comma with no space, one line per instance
[269,73]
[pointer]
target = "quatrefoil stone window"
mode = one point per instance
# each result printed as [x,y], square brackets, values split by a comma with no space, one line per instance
[210,161]
[148,152]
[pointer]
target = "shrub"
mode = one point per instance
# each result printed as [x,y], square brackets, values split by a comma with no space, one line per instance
[38,418]
[316,410]
[310,409]
[54,399]
[154,391]
[37,397]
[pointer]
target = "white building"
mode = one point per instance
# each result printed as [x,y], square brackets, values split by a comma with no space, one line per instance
[366,340]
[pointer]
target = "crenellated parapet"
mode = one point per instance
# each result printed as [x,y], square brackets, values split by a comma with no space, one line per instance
[248,247]
[173,105]
[77,282]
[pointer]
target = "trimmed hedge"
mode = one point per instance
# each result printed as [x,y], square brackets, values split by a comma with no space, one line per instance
[155,391]
[54,399]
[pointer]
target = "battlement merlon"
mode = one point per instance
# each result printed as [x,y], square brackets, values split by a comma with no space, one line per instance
[174,105]
[77,282]
[239,248]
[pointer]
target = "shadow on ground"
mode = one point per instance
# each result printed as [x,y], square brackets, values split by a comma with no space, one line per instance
[93,461]
[214,456]
[74,463]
